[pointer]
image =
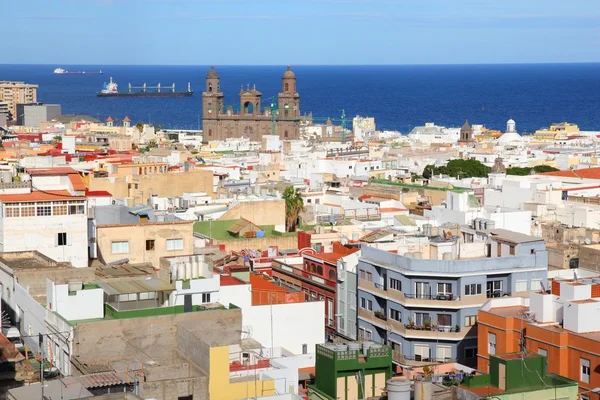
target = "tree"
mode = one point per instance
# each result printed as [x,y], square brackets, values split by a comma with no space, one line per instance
[458,169]
[294,205]
[540,169]
[526,170]
[140,126]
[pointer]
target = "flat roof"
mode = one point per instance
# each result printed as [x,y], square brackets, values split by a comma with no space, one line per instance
[511,236]
[46,195]
[508,312]
[137,286]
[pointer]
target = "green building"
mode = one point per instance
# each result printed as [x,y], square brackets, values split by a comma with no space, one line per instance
[350,372]
[517,376]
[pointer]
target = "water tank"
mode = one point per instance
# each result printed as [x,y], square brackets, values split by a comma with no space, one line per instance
[180,271]
[447,256]
[366,346]
[418,255]
[427,229]
[6,176]
[195,269]
[423,390]
[398,389]
[354,346]
[490,224]
[188,270]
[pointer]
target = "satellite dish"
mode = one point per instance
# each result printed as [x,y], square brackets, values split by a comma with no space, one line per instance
[587,241]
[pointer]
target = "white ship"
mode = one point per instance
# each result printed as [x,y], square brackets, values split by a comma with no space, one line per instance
[59,71]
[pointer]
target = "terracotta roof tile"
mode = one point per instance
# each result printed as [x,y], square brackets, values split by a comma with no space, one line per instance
[47,195]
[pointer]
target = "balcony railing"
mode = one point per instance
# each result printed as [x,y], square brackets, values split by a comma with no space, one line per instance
[439,296]
[435,328]
[497,293]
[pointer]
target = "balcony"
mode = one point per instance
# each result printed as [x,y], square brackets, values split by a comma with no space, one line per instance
[434,332]
[421,300]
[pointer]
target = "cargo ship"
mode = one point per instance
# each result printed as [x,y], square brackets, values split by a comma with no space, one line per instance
[60,71]
[111,89]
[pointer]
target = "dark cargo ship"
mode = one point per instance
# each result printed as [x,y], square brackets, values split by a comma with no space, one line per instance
[111,90]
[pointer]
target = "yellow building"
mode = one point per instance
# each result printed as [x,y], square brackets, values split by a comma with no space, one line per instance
[15,93]
[556,131]
[222,387]
[145,242]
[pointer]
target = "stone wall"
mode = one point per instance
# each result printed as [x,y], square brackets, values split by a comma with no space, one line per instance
[283,243]
[260,213]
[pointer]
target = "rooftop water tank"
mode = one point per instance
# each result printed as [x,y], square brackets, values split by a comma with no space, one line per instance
[398,389]
[423,390]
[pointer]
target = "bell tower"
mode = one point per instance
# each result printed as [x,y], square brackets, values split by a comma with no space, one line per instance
[289,99]
[212,98]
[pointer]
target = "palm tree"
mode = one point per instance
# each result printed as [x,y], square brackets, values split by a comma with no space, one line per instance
[293,206]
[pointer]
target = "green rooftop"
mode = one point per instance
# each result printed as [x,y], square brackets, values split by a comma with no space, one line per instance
[218,230]
[413,186]
[111,313]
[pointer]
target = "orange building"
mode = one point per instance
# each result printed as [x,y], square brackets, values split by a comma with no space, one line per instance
[562,323]
[265,291]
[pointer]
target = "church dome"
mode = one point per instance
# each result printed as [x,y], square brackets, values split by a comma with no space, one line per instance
[288,74]
[212,74]
[510,138]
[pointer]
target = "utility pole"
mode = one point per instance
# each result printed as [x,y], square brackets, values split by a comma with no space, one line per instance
[41,342]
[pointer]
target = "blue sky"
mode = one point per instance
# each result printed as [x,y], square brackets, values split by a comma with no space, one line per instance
[203,32]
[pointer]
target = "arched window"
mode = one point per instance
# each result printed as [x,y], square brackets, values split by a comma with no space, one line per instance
[331,274]
[210,87]
[210,132]
[287,87]
[319,270]
[286,132]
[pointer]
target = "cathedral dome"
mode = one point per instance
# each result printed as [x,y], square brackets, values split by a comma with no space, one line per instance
[288,74]
[510,138]
[212,74]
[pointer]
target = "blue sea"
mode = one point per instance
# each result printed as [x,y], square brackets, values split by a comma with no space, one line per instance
[399,97]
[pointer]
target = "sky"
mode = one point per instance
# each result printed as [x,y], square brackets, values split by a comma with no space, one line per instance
[315,32]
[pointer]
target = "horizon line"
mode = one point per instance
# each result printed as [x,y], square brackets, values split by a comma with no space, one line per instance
[311,65]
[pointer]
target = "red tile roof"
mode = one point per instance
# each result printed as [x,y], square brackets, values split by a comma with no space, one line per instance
[126,119]
[391,209]
[109,119]
[51,171]
[47,195]
[77,182]
[97,193]
[584,173]
[228,280]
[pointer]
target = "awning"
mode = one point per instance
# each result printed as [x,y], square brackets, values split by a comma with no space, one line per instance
[139,286]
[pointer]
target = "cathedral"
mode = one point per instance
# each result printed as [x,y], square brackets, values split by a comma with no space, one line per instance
[251,121]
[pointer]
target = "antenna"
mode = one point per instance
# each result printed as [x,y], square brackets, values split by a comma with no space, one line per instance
[543,286]
[575,275]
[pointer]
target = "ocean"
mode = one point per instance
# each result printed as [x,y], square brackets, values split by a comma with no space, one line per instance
[399,97]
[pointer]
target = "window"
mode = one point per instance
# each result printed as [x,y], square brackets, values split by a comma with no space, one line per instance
[512,250]
[444,288]
[75,209]
[174,244]
[27,211]
[395,284]
[421,318]
[444,319]
[491,343]
[366,275]
[585,370]
[363,302]
[43,211]
[471,352]
[329,312]
[521,286]
[61,239]
[331,274]
[120,247]
[341,324]
[444,353]
[473,289]
[149,244]
[494,288]
[369,305]
[60,210]
[368,334]
[395,315]
[470,320]
[499,249]
[319,270]
[422,290]
[11,212]
[206,297]
[536,284]
[421,352]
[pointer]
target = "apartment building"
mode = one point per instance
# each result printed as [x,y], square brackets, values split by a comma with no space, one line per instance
[557,323]
[425,304]
[48,214]
[14,93]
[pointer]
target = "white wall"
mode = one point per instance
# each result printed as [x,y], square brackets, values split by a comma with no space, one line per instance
[31,314]
[83,304]
[285,371]
[39,233]
[197,288]
[288,325]
[239,295]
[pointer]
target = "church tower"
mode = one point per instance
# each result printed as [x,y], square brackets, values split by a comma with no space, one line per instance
[289,99]
[212,98]
[466,133]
